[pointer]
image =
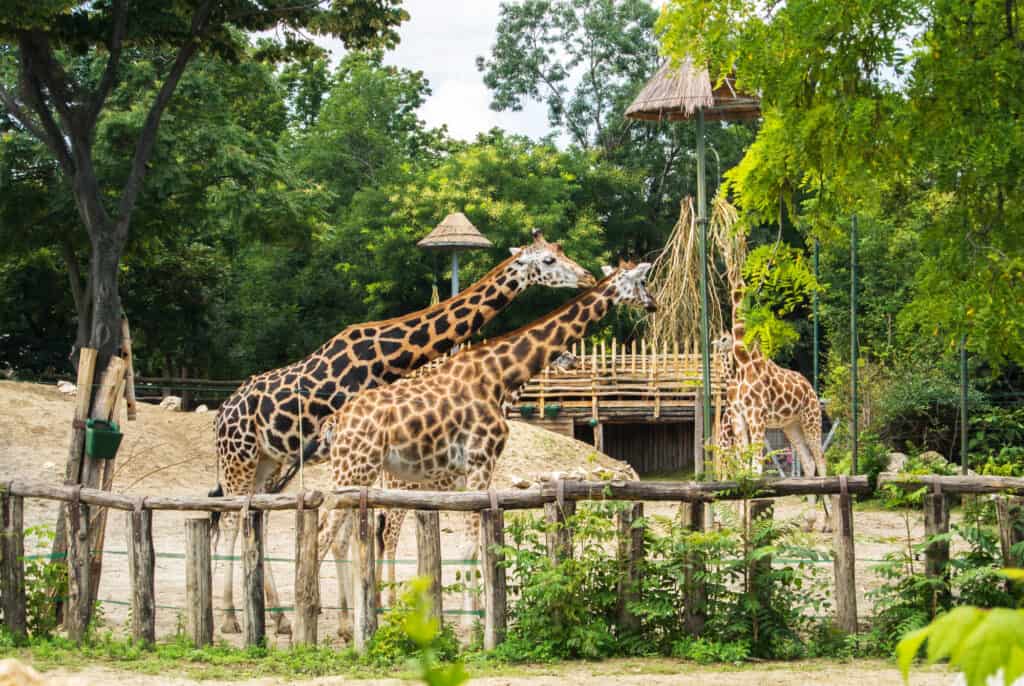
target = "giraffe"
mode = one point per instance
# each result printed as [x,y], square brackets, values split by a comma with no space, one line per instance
[763,395]
[447,424]
[258,428]
[389,526]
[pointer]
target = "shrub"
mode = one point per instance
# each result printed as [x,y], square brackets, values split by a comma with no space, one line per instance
[406,632]
[46,581]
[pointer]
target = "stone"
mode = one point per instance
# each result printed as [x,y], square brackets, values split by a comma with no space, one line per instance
[202,408]
[933,459]
[520,482]
[172,403]
[897,461]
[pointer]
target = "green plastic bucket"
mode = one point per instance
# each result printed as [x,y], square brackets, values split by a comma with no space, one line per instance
[527,410]
[551,410]
[102,439]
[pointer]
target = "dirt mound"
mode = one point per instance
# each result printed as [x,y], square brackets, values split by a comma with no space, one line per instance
[172,452]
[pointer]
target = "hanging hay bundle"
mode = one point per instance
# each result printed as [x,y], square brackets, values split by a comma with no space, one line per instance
[675,279]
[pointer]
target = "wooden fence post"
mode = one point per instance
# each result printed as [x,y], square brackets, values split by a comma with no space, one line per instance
[936,522]
[12,562]
[78,612]
[1010,514]
[198,581]
[844,561]
[758,509]
[364,612]
[492,531]
[141,566]
[252,578]
[695,608]
[631,553]
[428,556]
[307,575]
[559,535]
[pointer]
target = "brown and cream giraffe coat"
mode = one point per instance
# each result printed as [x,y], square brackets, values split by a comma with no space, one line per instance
[262,427]
[448,424]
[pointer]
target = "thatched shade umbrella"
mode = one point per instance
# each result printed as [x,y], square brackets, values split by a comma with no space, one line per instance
[455,233]
[683,91]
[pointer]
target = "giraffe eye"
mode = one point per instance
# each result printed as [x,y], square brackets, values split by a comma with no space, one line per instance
[549,260]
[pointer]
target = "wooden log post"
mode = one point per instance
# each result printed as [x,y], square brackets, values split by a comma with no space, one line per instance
[844,561]
[428,556]
[79,608]
[630,555]
[492,532]
[759,509]
[12,563]
[252,578]
[129,376]
[936,523]
[1010,515]
[141,569]
[73,466]
[364,613]
[307,576]
[198,581]
[693,517]
[558,536]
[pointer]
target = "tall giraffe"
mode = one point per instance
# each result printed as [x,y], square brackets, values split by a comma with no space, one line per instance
[448,423]
[259,429]
[765,396]
[390,521]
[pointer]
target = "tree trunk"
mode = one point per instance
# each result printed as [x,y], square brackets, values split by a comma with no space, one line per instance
[105,328]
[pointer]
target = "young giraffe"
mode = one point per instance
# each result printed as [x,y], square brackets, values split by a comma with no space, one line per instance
[765,396]
[258,428]
[448,423]
[389,526]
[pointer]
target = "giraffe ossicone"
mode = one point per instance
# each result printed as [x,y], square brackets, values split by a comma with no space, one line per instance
[273,418]
[415,431]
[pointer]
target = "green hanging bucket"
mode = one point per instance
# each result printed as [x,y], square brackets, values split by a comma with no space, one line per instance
[551,410]
[102,439]
[527,410]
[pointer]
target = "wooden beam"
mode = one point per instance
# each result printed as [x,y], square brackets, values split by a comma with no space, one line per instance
[141,569]
[492,532]
[12,563]
[307,576]
[198,582]
[364,615]
[936,523]
[844,563]
[630,556]
[694,583]
[252,579]
[428,557]
[955,484]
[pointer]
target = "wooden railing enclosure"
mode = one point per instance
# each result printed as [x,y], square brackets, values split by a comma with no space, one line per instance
[558,500]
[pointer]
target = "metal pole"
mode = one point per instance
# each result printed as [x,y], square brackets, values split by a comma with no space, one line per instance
[455,273]
[853,344]
[964,462]
[702,223]
[817,248]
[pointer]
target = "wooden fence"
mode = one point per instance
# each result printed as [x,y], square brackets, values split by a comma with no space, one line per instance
[558,500]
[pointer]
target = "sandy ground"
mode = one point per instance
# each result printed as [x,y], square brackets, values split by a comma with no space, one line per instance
[172,453]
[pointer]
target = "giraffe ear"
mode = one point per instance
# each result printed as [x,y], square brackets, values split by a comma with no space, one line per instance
[515,251]
[606,270]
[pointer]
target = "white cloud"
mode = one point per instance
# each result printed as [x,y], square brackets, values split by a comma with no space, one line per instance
[443,39]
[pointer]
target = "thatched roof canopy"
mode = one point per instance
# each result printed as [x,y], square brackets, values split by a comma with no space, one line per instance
[675,93]
[455,232]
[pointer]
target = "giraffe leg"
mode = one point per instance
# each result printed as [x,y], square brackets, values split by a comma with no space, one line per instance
[392,531]
[229,524]
[756,429]
[796,441]
[282,627]
[331,525]
[810,427]
[470,551]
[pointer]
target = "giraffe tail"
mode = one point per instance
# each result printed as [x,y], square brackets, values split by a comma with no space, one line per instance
[215,516]
[382,521]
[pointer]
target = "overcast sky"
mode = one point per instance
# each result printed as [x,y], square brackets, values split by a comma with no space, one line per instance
[443,40]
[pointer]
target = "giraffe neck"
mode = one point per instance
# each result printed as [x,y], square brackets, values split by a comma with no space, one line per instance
[523,353]
[435,330]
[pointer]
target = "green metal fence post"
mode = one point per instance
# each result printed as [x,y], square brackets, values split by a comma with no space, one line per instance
[853,344]
[964,461]
[817,249]
[702,222]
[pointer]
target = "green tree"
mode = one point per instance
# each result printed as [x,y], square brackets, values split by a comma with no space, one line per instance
[61,59]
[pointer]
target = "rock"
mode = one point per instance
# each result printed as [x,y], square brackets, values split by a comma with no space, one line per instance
[172,403]
[13,673]
[897,461]
[520,482]
[933,459]
[67,388]
[202,408]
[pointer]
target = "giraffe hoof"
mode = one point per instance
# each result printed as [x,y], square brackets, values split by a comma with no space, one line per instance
[282,627]
[230,626]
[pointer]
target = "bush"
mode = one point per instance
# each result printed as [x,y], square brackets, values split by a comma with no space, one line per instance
[46,581]
[405,632]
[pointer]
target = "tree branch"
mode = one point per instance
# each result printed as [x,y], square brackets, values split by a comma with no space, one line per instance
[147,138]
[37,59]
[21,116]
[74,273]
[110,71]
[51,136]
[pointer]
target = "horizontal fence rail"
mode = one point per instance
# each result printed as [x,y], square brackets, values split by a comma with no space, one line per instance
[954,484]
[465,501]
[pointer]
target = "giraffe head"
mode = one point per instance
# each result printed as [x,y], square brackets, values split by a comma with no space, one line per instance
[545,264]
[723,343]
[565,362]
[630,285]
